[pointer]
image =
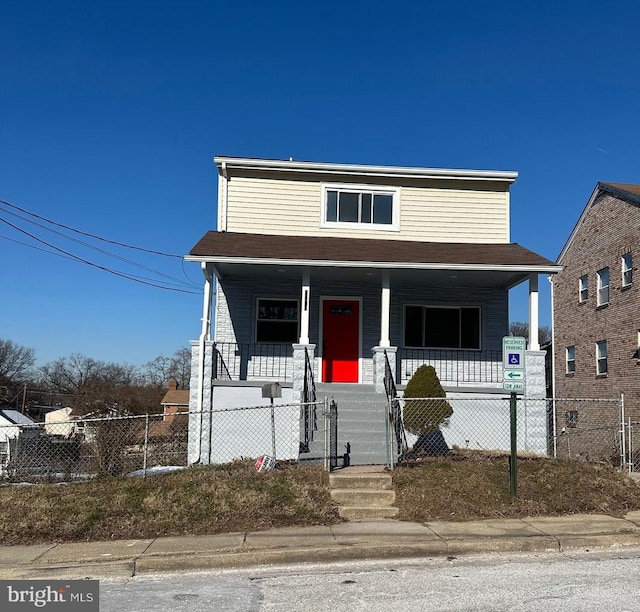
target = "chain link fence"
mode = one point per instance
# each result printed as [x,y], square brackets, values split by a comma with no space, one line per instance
[590,430]
[83,448]
[437,426]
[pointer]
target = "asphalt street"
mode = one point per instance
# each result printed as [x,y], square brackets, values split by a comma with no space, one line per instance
[567,582]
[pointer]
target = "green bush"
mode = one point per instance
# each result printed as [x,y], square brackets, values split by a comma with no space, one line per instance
[425,417]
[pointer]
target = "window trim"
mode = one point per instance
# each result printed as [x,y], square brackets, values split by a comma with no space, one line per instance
[570,359]
[257,312]
[583,288]
[602,287]
[627,269]
[440,306]
[394,192]
[600,358]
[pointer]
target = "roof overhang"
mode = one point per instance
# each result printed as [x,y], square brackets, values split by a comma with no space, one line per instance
[225,164]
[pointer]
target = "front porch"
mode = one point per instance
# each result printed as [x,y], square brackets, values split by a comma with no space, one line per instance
[235,361]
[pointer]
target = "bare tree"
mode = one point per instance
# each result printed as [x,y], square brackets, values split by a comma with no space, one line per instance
[162,369]
[521,328]
[181,367]
[16,363]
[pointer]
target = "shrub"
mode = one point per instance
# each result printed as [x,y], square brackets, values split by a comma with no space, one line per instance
[425,417]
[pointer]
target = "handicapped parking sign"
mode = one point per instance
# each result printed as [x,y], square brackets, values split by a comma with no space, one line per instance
[513,359]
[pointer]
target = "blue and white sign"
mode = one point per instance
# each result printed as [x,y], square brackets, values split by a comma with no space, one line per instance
[513,348]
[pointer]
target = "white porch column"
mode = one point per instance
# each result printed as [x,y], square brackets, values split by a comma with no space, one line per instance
[534,340]
[304,307]
[385,310]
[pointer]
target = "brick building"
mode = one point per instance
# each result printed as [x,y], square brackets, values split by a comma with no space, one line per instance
[596,316]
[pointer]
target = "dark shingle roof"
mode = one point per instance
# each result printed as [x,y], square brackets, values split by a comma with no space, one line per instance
[311,248]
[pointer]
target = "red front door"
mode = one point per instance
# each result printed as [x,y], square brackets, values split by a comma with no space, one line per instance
[340,340]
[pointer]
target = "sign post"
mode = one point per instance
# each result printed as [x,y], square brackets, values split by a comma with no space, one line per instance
[513,379]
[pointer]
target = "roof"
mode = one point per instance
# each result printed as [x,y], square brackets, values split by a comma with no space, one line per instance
[624,191]
[232,247]
[176,397]
[246,163]
[17,418]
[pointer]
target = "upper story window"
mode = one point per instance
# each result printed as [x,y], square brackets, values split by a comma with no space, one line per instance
[276,320]
[603,286]
[583,288]
[602,365]
[360,206]
[571,359]
[627,269]
[442,327]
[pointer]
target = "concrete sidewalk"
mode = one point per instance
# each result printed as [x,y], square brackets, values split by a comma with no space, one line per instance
[344,541]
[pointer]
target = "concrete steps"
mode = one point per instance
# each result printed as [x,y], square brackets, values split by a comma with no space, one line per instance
[361,421]
[363,493]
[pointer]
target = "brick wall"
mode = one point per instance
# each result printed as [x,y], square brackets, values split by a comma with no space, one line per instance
[610,228]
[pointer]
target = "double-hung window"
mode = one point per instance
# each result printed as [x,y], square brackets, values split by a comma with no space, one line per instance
[442,327]
[603,286]
[276,320]
[360,206]
[602,365]
[627,269]
[571,359]
[583,288]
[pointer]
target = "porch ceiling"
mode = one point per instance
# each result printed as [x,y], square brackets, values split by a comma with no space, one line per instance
[363,260]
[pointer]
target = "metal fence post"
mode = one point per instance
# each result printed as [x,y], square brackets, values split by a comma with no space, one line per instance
[623,450]
[333,436]
[326,415]
[146,446]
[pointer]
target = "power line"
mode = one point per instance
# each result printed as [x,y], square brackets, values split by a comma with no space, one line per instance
[90,263]
[103,251]
[89,235]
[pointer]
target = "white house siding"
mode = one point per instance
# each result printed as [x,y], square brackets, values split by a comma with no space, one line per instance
[438,211]
[236,302]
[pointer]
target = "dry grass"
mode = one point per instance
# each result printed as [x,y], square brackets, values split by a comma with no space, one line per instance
[222,499]
[197,501]
[477,487]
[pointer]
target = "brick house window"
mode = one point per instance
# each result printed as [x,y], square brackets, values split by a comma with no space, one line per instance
[627,269]
[571,359]
[602,366]
[603,286]
[277,320]
[583,288]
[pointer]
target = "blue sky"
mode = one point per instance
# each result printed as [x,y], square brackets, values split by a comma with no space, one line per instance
[111,112]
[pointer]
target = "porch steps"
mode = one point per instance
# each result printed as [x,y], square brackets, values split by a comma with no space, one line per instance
[363,493]
[361,421]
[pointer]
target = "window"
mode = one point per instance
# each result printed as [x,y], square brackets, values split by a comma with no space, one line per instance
[583,288]
[602,367]
[627,269]
[571,359]
[603,286]
[277,320]
[442,327]
[571,418]
[360,206]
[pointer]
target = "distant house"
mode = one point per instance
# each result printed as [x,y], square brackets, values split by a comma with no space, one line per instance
[63,422]
[174,401]
[12,426]
[351,275]
[596,310]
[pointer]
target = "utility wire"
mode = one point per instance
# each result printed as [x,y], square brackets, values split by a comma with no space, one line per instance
[90,263]
[77,231]
[91,246]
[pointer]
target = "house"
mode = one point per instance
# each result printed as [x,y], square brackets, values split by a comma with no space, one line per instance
[596,321]
[63,422]
[354,274]
[13,425]
[174,402]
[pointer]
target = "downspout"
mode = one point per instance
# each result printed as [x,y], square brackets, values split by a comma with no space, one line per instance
[225,199]
[205,335]
[553,371]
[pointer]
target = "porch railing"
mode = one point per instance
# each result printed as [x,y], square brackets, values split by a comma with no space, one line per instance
[253,361]
[395,414]
[454,367]
[309,417]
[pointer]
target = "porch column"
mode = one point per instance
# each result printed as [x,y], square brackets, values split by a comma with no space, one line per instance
[385,310]
[304,307]
[534,341]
